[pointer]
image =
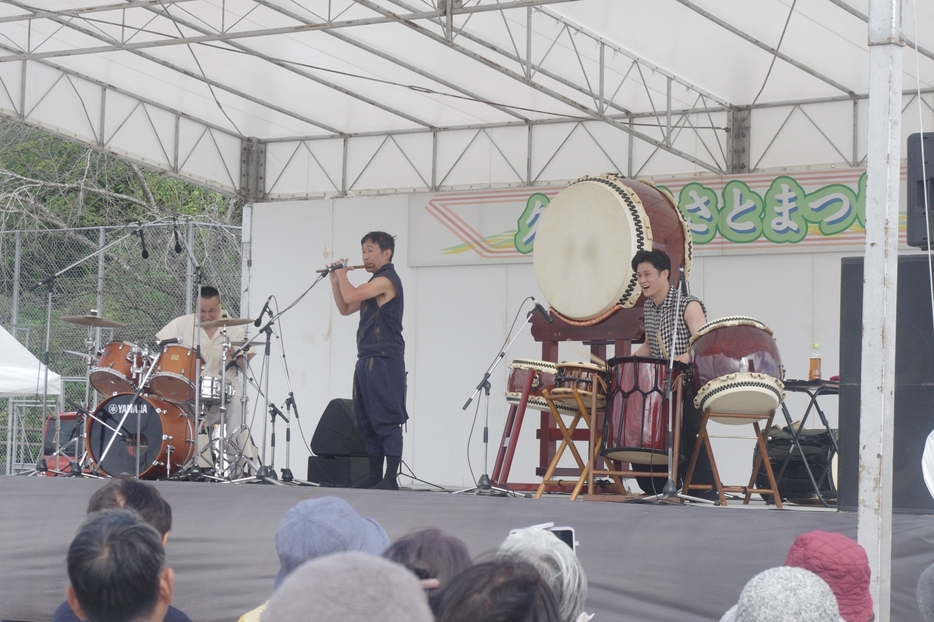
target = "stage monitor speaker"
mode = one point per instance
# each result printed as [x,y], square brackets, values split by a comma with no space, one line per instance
[337,471]
[914,389]
[336,434]
[920,175]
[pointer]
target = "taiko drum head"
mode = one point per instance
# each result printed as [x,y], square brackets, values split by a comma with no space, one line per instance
[588,234]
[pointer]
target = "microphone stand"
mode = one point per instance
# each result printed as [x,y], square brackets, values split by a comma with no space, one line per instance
[484,485]
[48,284]
[671,487]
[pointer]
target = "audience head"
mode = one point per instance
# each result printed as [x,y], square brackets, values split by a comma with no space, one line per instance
[132,494]
[430,554]
[318,527]
[843,564]
[503,590]
[555,561]
[115,565]
[350,587]
[785,594]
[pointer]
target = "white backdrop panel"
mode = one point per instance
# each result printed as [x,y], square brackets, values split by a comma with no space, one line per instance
[457,318]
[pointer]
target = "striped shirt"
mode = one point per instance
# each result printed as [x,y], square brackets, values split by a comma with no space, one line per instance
[661,320]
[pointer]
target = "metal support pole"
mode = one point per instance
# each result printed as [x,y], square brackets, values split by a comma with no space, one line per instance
[11,406]
[190,271]
[877,380]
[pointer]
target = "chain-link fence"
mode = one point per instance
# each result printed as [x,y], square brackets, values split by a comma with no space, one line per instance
[119,284]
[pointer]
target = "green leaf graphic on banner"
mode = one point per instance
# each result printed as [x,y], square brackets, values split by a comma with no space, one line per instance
[700,207]
[861,201]
[741,216]
[784,212]
[526,225]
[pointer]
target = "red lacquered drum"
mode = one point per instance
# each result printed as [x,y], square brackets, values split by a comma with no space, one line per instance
[164,438]
[543,376]
[636,425]
[118,369]
[582,377]
[586,237]
[737,367]
[175,374]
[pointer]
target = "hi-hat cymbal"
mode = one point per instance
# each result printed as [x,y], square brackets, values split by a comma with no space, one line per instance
[91,320]
[226,321]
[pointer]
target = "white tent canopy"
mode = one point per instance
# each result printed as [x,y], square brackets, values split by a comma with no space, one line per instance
[277,99]
[21,373]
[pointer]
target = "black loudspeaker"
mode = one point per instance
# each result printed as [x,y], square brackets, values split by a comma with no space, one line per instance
[920,174]
[336,434]
[338,471]
[914,383]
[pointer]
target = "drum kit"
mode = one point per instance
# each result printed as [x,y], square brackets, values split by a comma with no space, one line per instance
[146,423]
[584,243]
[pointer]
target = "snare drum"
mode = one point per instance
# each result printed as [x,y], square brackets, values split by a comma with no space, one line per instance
[636,425]
[175,374]
[164,438]
[542,372]
[737,367]
[580,377]
[118,369]
[211,390]
[588,234]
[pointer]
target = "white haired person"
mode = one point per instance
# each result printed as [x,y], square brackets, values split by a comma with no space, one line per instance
[557,564]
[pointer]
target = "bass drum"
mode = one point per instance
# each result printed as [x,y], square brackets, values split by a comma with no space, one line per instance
[737,367]
[588,234]
[164,439]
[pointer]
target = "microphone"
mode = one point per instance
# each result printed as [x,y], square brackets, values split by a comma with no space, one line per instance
[168,342]
[259,318]
[540,309]
[340,265]
[142,241]
[178,243]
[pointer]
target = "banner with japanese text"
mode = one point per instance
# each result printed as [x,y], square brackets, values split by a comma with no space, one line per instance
[803,211]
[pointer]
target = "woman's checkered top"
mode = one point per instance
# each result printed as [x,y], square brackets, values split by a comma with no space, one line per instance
[659,328]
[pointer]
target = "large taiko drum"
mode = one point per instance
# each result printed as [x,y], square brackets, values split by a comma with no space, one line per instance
[737,367]
[586,237]
[635,429]
[164,438]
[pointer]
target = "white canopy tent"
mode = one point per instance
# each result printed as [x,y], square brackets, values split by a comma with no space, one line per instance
[21,373]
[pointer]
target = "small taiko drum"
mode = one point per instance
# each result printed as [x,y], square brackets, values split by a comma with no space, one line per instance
[584,378]
[636,429]
[542,373]
[737,367]
[585,240]
[537,402]
[118,369]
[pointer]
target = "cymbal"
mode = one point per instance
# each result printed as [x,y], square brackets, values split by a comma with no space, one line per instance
[83,355]
[226,321]
[240,344]
[91,320]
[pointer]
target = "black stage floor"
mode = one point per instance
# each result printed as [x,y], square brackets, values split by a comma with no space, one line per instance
[667,562]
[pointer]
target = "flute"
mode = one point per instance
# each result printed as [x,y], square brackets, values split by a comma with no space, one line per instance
[340,268]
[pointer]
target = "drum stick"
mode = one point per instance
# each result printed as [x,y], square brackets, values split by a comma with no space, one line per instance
[583,351]
[348,268]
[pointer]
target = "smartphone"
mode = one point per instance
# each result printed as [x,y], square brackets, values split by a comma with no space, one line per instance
[565,534]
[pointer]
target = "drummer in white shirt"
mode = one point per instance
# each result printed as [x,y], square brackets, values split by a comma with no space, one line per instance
[670,323]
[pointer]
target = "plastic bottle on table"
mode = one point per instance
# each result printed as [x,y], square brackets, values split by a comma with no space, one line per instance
[814,369]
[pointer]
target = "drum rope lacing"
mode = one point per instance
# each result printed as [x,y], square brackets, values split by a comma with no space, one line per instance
[704,396]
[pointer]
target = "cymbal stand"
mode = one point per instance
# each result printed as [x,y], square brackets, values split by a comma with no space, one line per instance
[484,485]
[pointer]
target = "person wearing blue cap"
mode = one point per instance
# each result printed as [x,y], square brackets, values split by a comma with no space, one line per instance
[317,527]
